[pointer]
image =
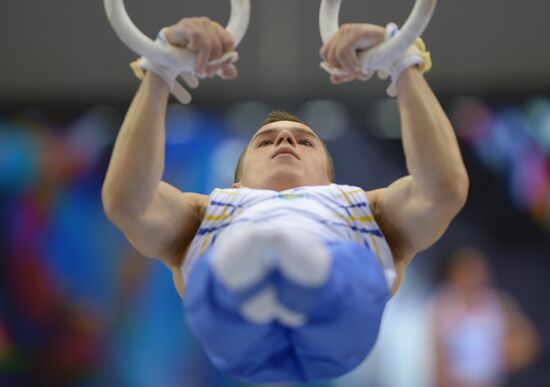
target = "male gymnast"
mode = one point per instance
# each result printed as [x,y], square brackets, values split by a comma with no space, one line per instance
[286,274]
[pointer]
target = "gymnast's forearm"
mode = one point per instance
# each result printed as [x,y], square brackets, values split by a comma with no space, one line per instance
[430,144]
[137,161]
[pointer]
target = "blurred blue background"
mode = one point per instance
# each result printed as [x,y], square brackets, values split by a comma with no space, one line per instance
[80,307]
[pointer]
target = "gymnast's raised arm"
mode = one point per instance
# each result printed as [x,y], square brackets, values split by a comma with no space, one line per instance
[158,219]
[415,210]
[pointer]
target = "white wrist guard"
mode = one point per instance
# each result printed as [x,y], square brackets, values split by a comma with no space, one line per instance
[416,55]
[169,74]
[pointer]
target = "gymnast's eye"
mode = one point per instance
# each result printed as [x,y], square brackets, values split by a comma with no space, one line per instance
[265,142]
[305,142]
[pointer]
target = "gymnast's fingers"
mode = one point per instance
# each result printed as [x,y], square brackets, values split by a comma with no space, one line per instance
[216,42]
[221,44]
[203,57]
[350,62]
[228,44]
[338,79]
[229,71]
[332,57]
[324,51]
[177,35]
[197,34]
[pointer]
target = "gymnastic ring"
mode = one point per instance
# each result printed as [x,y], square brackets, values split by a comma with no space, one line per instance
[386,53]
[170,56]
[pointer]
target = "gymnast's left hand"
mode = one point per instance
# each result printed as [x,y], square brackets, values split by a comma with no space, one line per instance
[341,50]
[209,40]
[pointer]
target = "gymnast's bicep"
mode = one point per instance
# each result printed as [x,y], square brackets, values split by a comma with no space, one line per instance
[411,221]
[167,226]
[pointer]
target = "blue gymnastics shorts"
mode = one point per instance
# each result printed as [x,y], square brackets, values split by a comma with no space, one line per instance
[343,320]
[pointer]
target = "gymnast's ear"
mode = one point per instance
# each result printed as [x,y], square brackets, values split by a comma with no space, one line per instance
[236,185]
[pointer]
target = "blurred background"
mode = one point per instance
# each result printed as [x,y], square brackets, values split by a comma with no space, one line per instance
[80,307]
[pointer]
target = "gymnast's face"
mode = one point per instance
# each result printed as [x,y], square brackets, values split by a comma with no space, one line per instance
[284,155]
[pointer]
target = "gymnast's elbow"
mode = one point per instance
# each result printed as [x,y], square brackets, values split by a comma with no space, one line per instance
[453,192]
[111,210]
[114,208]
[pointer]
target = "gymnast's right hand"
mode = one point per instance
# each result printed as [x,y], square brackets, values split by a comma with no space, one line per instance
[209,39]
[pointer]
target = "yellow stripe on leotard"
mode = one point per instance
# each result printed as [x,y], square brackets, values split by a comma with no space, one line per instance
[227,192]
[360,219]
[348,220]
[352,192]
[346,196]
[375,245]
[217,218]
[222,216]
[204,244]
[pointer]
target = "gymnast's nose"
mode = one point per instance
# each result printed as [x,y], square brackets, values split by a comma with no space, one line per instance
[285,137]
